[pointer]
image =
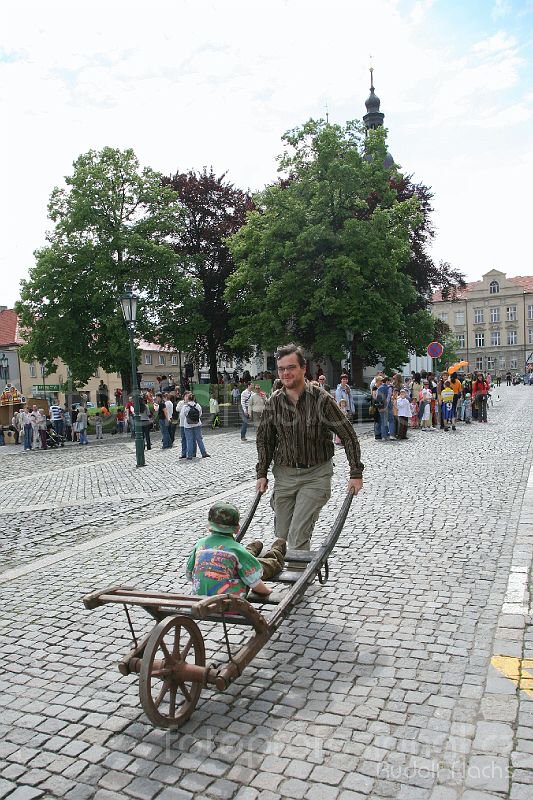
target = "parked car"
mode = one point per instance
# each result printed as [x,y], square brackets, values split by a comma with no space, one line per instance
[361,398]
[88,404]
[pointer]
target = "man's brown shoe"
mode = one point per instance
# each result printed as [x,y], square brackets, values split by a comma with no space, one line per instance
[255,547]
[280,544]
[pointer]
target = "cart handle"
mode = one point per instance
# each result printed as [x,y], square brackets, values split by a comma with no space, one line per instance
[246,524]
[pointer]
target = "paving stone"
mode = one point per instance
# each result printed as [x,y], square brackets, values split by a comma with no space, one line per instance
[488,772]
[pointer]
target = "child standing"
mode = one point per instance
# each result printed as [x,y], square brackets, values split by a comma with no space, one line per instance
[447,406]
[98,424]
[425,409]
[404,411]
[220,565]
[467,408]
[343,405]
[414,412]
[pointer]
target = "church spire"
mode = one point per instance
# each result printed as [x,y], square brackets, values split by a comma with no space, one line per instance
[373,117]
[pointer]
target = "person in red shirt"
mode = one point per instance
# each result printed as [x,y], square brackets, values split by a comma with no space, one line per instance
[480,391]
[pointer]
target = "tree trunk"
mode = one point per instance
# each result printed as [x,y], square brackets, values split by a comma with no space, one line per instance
[357,366]
[126,384]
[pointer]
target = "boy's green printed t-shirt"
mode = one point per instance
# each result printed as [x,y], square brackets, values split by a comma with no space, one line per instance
[220,565]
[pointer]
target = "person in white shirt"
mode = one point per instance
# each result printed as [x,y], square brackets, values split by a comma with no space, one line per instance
[179,407]
[245,414]
[404,412]
[27,420]
[191,423]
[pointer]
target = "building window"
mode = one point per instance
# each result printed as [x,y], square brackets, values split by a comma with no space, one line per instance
[460,340]
[512,337]
[479,362]
[148,358]
[502,362]
[530,335]
[495,338]
[495,314]
[478,315]
[459,317]
[511,313]
[174,361]
[491,362]
[513,363]
[161,360]
[480,340]
[443,316]
[494,287]
[33,371]
[530,312]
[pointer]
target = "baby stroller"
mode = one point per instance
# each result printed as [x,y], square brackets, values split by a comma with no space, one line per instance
[54,439]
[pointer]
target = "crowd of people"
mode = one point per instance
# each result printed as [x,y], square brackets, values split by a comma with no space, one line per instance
[427,401]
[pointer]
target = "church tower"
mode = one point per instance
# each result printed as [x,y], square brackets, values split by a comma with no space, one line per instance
[373,117]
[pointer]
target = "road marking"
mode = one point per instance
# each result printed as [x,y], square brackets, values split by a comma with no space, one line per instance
[518,670]
[129,530]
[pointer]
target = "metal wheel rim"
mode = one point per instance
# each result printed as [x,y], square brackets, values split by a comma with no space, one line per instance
[167,702]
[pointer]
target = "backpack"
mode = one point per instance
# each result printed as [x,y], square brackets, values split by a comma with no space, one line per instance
[193,414]
[379,402]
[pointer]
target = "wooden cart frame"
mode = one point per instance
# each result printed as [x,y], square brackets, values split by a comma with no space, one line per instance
[170,660]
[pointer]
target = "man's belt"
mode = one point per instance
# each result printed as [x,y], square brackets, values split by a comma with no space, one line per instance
[304,466]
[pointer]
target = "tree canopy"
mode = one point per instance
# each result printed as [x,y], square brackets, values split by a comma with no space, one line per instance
[113,225]
[325,257]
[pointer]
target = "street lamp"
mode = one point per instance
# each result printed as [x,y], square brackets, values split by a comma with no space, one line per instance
[128,301]
[42,364]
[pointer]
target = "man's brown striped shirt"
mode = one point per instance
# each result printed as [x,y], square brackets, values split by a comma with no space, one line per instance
[302,434]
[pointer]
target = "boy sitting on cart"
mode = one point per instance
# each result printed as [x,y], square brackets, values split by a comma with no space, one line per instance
[220,565]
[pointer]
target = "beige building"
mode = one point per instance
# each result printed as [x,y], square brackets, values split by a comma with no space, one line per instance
[492,320]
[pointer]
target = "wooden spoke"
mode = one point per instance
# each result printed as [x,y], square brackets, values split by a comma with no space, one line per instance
[172,704]
[162,693]
[185,692]
[186,649]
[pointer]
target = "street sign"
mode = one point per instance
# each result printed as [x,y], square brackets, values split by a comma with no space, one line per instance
[47,387]
[435,350]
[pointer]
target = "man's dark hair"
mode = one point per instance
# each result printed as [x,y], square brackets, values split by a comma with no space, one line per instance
[289,349]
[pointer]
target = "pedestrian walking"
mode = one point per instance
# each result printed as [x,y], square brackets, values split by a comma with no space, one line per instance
[295,433]
[343,392]
[243,409]
[163,418]
[56,418]
[28,428]
[480,390]
[146,424]
[41,427]
[81,425]
[191,421]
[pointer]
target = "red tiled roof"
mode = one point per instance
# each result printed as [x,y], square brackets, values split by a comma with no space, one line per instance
[524,281]
[437,297]
[9,332]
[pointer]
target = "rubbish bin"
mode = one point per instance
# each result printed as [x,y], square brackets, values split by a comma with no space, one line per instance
[9,437]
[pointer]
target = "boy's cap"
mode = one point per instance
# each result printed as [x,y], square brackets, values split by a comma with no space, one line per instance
[223,517]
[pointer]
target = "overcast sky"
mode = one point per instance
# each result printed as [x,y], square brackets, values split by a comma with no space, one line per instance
[188,83]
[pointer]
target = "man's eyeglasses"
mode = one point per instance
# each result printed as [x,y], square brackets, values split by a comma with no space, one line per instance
[290,368]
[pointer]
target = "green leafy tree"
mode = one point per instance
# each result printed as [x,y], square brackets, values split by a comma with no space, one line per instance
[322,259]
[113,225]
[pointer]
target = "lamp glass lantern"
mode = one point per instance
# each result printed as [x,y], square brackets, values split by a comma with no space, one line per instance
[128,301]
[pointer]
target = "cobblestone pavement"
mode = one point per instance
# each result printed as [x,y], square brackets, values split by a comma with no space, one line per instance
[406,676]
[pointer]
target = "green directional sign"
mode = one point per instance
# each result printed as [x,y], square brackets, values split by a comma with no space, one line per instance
[48,387]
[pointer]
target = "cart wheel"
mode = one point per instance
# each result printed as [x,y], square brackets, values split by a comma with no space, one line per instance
[169,697]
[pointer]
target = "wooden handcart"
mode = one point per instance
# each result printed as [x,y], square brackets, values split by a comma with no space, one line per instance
[170,660]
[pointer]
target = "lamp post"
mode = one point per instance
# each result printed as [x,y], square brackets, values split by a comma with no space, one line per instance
[128,301]
[43,376]
[4,367]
